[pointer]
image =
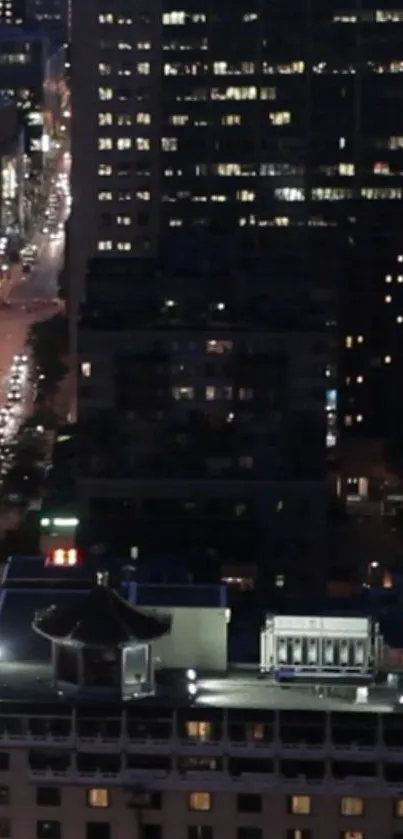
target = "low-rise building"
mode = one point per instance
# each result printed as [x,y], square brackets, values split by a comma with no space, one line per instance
[98,740]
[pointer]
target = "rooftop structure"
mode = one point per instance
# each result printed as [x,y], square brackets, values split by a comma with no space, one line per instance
[318,663]
[238,746]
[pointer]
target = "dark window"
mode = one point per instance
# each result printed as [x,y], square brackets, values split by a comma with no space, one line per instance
[98,830]
[4,761]
[48,797]
[48,830]
[154,802]
[249,833]
[152,831]
[249,803]
[5,828]
[4,795]
[200,831]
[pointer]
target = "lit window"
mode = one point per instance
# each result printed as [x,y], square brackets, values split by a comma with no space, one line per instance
[218,347]
[348,420]
[143,144]
[200,801]
[105,245]
[105,143]
[388,278]
[346,169]
[124,220]
[359,417]
[179,119]
[268,93]
[351,806]
[399,808]
[103,169]
[180,393]
[143,68]
[360,380]
[143,119]
[173,18]
[280,118]
[360,339]
[169,143]
[105,196]
[388,298]
[108,18]
[231,119]
[349,341]
[124,119]
[143,45]
[211,393]
[245,195]
[300,805]
[105,93]
[388,359]
[124,143]
[98,798]
[399,319]
[105,119]
[199,730]
[86,369]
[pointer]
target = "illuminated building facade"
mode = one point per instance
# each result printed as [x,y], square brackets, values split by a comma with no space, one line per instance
[28,75]
[212,753]
[13,12]
[205,418]
[11,171]
[266,123]
[51,17]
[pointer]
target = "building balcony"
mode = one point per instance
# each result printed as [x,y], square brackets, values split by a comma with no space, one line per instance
[198,748]
[71,775]
[29,739]
[145,745]
[252,748]
[106,742]
[213,781]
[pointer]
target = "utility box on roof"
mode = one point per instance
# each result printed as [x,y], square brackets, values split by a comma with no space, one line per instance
[297,646]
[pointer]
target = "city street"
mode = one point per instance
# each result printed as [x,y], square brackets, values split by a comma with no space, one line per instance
[33,297]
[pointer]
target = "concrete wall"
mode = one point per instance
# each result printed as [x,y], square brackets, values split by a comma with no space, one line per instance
[198,639]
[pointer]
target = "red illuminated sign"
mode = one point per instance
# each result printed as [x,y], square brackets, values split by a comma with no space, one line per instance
[61,557]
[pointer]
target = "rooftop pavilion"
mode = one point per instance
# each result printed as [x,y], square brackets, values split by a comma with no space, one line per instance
[67,637]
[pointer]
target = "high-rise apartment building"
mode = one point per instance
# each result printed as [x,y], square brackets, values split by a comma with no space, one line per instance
[13,12]
[265,121]
[100,736]
[51,17]
[201,408]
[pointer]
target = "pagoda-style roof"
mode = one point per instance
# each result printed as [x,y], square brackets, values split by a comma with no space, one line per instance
[103,619]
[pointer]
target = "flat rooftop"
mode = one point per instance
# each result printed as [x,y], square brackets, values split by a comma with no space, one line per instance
[31,682]
[26,672]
